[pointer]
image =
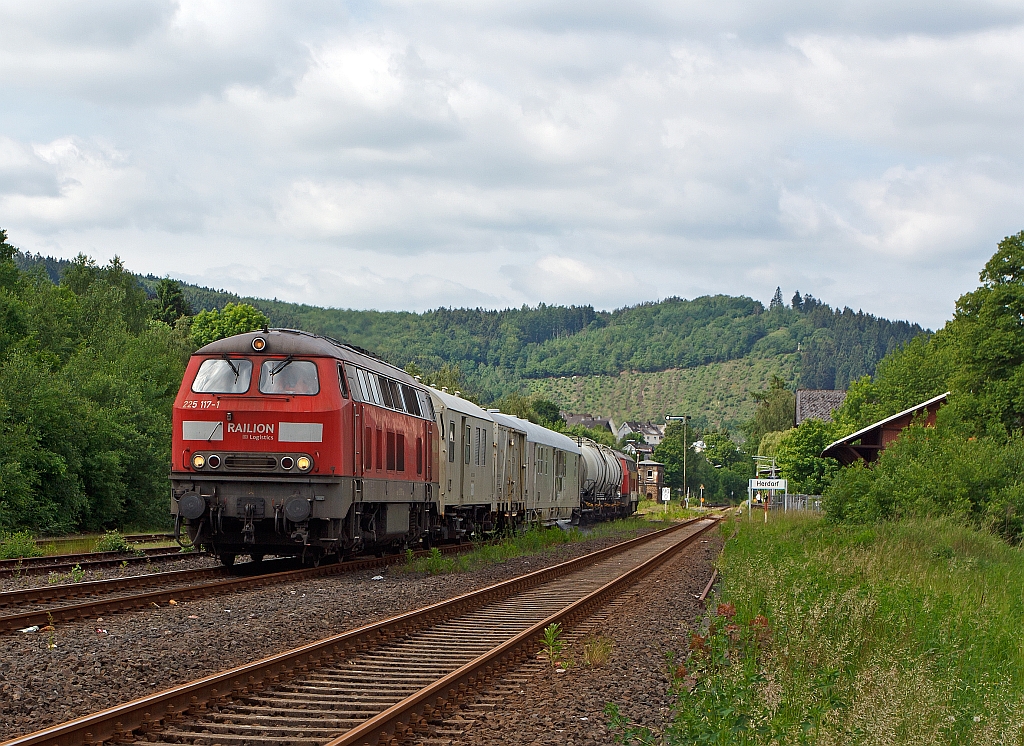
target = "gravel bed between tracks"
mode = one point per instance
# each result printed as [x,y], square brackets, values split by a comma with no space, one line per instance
[644,624]
[98,664]
[36,580]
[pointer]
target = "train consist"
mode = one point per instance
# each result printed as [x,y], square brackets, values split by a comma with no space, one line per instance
[289,443]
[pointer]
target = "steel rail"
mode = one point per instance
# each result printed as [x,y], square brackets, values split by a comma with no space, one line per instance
[446,693]
[183,588]
[151,712]
[88,560]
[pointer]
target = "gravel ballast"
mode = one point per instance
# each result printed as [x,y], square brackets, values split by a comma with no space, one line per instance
[645,624]
[101,662]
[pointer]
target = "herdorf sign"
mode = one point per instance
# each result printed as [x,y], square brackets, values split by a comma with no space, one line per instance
[769,484]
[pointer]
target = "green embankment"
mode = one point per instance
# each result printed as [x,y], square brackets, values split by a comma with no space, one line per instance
[718,392]
[901,632]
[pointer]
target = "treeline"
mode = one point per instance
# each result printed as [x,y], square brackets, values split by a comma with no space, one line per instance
[89,369]
[497,350]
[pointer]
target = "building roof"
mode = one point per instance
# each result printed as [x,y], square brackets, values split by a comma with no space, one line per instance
[587,421]
[818,404]
[846,452]
[650,463]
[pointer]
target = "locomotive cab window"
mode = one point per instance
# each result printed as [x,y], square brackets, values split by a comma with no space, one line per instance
[293,377]
[223,376]
[342,382]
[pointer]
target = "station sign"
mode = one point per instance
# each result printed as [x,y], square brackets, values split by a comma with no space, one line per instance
[769,484]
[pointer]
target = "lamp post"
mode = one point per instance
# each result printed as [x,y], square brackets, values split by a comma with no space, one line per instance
[685,418]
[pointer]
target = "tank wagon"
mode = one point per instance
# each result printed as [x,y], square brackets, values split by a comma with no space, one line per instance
[289,443]
[609,483]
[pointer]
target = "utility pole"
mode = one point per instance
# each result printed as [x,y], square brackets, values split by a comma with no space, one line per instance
[686,446]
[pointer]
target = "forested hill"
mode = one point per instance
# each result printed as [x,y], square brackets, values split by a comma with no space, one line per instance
[497,350]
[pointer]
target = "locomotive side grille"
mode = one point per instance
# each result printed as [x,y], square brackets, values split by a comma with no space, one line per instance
[250,462]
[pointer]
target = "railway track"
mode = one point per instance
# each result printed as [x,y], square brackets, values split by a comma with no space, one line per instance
[61,603]
[131,538]
[387,681]
[62,563]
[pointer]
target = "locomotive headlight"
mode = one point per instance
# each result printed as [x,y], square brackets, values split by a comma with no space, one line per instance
[303,463]
[259,343]
[198,461]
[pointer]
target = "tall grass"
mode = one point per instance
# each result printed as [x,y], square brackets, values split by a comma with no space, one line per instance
[909,632]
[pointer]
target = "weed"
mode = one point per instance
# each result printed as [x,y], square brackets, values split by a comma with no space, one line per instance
[77,574]
[124,564]
[597,650]
[17,545]
[16,572]
[54,578]
[113,541]
[552,643]
[410,557]
[51,633]
[437,563]
[627,733]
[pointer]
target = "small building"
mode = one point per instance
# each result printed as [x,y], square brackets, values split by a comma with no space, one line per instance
[870,441]
[653,434]
[818,404]
[588,421]
[639,451]
[652,479]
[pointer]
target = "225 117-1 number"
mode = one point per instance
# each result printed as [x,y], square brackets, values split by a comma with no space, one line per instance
[200,404]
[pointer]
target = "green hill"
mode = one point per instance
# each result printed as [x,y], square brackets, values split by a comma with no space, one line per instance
[703,355]
[717,394]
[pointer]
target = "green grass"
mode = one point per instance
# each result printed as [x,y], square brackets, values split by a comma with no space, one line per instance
[909,632]
[533,541]
[674,511]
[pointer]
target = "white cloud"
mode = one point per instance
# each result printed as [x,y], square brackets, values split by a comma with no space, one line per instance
[451,153]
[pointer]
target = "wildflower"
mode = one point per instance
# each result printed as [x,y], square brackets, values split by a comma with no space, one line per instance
[698,643]
[727,610]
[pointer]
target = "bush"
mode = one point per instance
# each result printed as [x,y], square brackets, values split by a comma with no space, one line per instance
[19,544]
[113,541]
[936,471]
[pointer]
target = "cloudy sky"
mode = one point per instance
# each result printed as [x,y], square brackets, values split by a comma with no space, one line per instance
[401,155]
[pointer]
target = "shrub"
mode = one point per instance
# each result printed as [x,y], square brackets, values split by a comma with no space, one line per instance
[18,544]
[113,541]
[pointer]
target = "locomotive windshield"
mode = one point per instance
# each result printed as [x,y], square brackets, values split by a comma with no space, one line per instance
[289,376]
[223,376]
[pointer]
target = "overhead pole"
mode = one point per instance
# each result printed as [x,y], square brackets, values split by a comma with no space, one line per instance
[686,446]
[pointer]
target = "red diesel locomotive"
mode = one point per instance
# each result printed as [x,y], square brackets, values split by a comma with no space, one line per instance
[272,454]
